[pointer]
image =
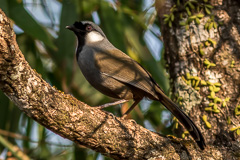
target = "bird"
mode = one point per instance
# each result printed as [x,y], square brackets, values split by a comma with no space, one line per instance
[116,75]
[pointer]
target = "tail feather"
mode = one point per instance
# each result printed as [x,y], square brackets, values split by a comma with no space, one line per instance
[184,119]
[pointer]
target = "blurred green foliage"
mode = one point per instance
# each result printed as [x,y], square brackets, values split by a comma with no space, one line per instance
[50,49]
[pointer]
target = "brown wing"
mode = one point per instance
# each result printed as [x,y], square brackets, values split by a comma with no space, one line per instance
[121,67]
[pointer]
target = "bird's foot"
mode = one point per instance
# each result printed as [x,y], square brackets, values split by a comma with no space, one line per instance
[113,116]
[124,116]
[131,120]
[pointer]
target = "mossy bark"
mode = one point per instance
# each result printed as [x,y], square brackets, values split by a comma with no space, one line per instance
[202,52]
[124,139]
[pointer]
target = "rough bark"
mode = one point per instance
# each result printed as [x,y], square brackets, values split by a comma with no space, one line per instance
[87,126]
[188,49]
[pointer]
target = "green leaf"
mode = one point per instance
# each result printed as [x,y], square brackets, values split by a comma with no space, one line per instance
[170,24]
[112,24]
[182,23]
[191,5]
[66,41]
[210,26]
[208,11]
[214,25]
[209,6]
[29,25]
[172,17]
[200,15]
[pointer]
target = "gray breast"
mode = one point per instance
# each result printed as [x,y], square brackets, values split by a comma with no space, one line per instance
[105,84]
[86,62]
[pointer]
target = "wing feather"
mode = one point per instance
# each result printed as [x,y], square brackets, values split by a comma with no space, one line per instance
[116,64]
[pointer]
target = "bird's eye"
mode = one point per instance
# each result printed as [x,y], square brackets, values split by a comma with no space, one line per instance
[89,28]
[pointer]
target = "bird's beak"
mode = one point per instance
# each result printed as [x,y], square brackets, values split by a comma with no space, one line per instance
[72,28]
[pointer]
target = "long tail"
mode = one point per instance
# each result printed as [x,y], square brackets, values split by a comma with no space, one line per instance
[183,118]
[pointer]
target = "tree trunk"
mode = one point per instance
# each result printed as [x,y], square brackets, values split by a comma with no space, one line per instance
[112,136]
[202,50]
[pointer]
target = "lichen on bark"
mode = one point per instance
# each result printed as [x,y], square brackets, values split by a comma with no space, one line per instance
[209,46]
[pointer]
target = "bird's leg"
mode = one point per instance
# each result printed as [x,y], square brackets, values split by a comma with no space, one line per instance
[131,108]
[111,104]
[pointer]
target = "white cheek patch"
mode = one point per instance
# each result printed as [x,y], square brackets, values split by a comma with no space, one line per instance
[94,37]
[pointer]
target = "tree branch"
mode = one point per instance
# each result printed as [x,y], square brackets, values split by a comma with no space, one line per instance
[74,120]
[204,54]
